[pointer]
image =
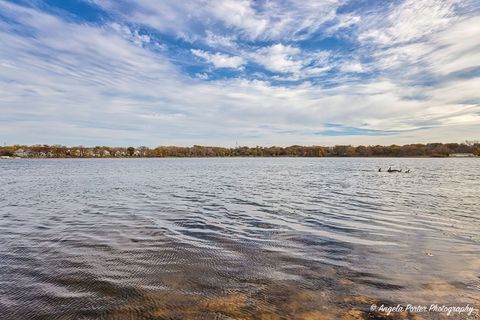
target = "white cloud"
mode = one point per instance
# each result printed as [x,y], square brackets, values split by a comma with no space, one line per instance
[343,21]
[456,48]
[291,62]
[279,58]
[220,60]
[132,35]
[239,13]
[410,21]
[269,20]
[219,41]
[352,67]
[451,50]
[294,20]
[202,76]
[421,41]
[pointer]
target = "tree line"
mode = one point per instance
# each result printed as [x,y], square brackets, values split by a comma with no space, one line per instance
[409,150]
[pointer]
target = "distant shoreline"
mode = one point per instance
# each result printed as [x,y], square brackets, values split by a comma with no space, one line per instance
[258,157]
[431,150]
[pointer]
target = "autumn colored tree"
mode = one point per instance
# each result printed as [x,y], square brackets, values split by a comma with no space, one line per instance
[410,150]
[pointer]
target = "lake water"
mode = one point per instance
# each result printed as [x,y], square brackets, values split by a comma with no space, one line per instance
[241,238]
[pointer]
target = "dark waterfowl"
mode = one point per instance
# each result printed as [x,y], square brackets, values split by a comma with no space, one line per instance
[379,169]
[407,171]
[393,170]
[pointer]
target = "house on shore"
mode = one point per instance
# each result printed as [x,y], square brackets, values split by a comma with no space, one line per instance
[462,155]
[22,153]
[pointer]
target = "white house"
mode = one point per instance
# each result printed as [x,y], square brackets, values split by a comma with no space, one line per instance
[462,155]
[21,153]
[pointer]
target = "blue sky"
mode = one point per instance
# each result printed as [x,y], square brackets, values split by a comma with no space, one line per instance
[160,72]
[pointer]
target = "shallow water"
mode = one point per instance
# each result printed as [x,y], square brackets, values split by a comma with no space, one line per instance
[243,238]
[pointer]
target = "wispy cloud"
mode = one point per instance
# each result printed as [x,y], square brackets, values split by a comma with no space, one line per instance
[265,20]
[411,20]
[220,60]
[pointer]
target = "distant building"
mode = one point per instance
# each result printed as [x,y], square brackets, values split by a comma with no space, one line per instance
[462,155]
[119,153]
[22,153]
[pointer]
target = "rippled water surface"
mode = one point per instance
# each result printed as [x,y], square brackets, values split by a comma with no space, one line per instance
[241,238]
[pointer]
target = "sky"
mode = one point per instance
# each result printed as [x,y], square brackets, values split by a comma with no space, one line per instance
[228,72]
